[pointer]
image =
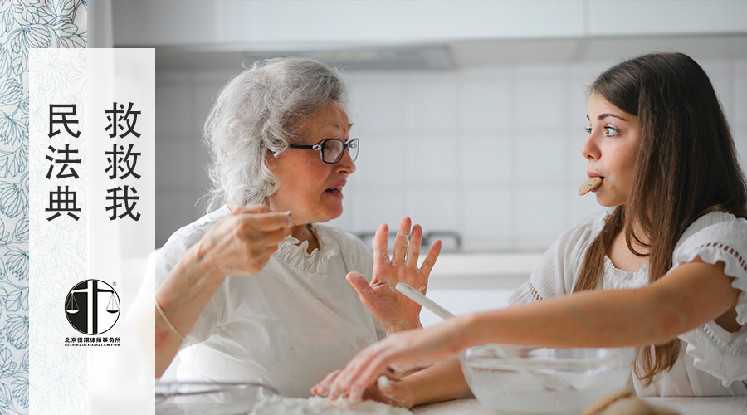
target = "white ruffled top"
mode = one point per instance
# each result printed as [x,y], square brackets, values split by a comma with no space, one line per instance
[712,360]
[295,253]
[288,325]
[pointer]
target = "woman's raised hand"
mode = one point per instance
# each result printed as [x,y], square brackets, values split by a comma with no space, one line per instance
[392,308]
[242,242]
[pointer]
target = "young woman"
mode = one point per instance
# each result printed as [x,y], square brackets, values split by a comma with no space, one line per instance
[663,269]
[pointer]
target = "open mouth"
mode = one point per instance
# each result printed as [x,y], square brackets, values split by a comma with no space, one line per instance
[333,190]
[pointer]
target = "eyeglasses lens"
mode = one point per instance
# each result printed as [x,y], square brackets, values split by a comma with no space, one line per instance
[332,151]
[353,148]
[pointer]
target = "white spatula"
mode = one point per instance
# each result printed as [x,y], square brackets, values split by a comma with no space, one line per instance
[421,299]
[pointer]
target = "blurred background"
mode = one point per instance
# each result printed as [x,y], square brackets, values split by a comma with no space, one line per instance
[470,113]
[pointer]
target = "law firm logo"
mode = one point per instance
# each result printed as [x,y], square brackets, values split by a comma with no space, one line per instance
[92,307]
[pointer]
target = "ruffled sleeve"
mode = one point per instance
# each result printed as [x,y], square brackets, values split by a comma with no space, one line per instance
[558,269]
[719,237]
[525,294]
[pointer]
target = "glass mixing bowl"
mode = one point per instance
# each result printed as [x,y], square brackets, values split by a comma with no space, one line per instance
[538,380]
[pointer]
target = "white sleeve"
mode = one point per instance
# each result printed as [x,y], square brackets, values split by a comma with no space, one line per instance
[558,269]
[713,349]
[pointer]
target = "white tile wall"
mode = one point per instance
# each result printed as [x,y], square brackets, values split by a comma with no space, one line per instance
[430,100]
[377,205]
[488,224]
[539,99]
[389,116]
[438,207]
[486,158]
[539,158]
[485,103]
[739,122]
[432,159]
[493,153]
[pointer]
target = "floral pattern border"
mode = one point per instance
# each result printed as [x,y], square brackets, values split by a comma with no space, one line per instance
[24,24]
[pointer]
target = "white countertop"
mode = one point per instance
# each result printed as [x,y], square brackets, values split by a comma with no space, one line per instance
[495,271]
[685,406]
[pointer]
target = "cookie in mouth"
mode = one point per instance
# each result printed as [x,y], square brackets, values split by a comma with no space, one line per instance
[589,184]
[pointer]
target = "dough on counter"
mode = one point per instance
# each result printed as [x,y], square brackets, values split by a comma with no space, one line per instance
[589,184]
[277,404]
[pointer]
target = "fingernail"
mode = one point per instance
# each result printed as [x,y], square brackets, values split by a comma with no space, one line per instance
[384,383]
[288,213]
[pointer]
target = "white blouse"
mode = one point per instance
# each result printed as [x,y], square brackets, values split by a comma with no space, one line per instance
[712,360]
[288,325]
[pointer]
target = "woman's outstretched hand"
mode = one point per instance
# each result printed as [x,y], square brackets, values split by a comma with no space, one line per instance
[392,308]
[388,388]
[397,352]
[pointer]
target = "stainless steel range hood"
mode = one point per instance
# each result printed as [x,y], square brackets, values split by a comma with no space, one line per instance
[394,58]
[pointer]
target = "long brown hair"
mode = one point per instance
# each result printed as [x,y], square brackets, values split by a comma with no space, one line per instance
[686,164]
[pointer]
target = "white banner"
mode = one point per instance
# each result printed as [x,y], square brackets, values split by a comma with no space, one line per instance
[91,213]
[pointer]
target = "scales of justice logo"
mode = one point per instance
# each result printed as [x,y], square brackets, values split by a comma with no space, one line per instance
[92,307]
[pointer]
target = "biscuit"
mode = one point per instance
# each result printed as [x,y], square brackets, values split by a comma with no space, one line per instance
[589,184]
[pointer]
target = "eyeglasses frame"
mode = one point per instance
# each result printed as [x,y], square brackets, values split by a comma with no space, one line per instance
[320,148]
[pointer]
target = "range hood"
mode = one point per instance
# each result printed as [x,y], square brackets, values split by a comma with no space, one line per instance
[394,58]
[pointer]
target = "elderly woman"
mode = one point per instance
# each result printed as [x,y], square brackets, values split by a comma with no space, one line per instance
[255,290]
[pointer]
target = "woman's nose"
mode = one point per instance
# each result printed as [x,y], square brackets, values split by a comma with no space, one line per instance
[346,163]
[590,150]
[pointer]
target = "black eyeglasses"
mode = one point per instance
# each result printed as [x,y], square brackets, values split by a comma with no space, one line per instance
[332,149]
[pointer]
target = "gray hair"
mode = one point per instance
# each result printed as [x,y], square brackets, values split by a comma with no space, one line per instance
[260,110]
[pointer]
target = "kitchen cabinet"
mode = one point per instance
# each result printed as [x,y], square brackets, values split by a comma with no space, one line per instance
[301,25]
[665,17]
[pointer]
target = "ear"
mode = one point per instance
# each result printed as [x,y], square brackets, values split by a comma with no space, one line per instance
[270,160]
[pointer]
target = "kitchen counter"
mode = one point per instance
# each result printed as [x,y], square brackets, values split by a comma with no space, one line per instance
[685,406]
[491,271]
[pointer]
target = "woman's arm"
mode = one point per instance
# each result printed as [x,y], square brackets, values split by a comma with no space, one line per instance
[183,296]
[689,296]
[239,244]
[441,382]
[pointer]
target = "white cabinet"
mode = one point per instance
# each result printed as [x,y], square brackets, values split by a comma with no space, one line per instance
[396,21]
[295,25]
[666,17]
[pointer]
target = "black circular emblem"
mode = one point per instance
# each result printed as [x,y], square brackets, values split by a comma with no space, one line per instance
[92,307]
